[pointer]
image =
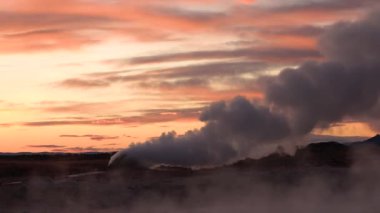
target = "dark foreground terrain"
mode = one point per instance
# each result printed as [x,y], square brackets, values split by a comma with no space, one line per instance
[321,177]
[19,167]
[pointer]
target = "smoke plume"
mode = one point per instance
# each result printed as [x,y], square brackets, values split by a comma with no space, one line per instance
[298,100]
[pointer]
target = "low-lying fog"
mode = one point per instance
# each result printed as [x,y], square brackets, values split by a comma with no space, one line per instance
[228,189]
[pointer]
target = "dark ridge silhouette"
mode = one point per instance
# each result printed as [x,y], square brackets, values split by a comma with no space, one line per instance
[375,139]
[332,154]
[56,156]
[274,160]
[323,154]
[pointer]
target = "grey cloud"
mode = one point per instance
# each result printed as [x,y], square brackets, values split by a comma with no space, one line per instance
[308,31]
[354,43]
[217,69]
[372,118]
[188,83]
[186,14]
[184,111]
[242,118]
[334,5]
[250,53]
[82,83]
[318,94]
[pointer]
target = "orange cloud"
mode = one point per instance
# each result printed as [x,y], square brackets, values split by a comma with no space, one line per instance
[246,1]
[53,24]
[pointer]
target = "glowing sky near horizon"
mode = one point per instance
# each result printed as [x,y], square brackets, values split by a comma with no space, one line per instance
[92,75]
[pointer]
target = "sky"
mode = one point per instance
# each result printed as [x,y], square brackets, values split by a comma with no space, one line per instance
[93,75]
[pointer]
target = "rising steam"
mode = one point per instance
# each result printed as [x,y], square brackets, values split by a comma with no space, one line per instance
[316,94]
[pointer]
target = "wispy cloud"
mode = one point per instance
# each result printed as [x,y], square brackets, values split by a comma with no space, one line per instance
[275,54]
[82,83]
[91,137]
[148,117]
[83,149]
[48,146]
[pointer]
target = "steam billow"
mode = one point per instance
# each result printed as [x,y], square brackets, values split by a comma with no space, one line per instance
[297,101]
[231,130]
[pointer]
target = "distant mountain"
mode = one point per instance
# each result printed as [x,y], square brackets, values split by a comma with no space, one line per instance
[315,138]
[324,154]
[375,139]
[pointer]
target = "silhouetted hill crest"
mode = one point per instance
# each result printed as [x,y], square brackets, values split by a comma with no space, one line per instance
[375,139]
[322,154]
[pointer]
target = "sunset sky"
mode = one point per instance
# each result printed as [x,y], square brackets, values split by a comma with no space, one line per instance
[97,75]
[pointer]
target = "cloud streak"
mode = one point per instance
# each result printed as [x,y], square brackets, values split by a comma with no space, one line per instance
[48,146]
[149,117]
[91,137]
[82,149]
[275,54]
